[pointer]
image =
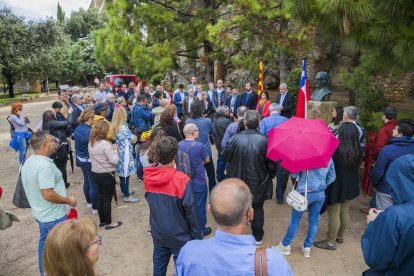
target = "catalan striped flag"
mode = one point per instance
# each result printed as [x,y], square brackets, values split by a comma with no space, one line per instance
[260,85]
[303,94]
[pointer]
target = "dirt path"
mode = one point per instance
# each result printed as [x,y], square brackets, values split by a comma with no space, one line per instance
[128,249]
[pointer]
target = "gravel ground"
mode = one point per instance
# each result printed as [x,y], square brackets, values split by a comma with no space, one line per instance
[128,250]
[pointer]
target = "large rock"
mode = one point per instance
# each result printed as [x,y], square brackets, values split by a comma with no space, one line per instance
[238,78]
[321,110]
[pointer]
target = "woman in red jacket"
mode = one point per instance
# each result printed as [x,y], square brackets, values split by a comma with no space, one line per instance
[263,105]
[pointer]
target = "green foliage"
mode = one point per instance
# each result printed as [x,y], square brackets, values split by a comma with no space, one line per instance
[81,23]
[293,84]
[21,41]
[369,100]
[151,37]
[294,81]
[156,79]
[60,15]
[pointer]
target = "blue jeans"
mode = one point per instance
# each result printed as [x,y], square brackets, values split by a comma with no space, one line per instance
[89,186]
[124,185]
[21,143]
[161,258]
[315,202]
[140,169]
[200,192]
[45,228]
[221,167]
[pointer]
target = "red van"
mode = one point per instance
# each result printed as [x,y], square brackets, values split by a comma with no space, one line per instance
[119,80]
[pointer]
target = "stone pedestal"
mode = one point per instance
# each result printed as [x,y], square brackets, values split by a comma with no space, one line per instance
[321,110]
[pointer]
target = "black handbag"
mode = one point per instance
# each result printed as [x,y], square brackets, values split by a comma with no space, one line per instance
[19,197]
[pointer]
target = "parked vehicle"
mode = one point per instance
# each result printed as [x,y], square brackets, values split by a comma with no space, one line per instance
[119,80]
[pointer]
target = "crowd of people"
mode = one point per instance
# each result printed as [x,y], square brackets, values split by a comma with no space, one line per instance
[166,139]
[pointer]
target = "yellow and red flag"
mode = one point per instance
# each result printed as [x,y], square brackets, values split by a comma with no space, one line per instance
[260,85]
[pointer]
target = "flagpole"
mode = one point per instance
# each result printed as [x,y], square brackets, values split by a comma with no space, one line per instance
[306,100]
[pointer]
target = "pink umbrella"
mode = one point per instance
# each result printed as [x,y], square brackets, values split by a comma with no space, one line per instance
[301,144]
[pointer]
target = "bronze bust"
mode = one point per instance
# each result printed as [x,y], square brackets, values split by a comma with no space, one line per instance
[321,92]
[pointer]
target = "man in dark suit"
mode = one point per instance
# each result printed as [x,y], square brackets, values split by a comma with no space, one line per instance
[233,102]
[249,98]
[286,100]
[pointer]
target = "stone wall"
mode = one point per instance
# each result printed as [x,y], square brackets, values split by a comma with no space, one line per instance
[396,88]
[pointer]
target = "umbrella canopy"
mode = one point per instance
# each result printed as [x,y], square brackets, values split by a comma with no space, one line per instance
[301,144]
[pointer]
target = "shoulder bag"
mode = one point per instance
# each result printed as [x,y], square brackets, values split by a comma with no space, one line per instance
[296,200]
[19,197]
[260,254]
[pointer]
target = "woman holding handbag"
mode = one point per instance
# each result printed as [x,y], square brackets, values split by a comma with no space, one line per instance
[124,140]
[347,159]
[82,134]
[104,157]
[311,185]
[21,132]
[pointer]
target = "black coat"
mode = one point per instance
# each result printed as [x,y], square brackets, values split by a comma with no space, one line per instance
[220,125]
[246,153]
[251,102]
[288,104]
[223,98]
[345,186]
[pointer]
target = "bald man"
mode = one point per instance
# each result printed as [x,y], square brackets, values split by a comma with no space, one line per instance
[198,156]
[230,251]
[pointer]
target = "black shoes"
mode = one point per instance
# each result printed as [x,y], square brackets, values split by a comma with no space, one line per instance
[325,245]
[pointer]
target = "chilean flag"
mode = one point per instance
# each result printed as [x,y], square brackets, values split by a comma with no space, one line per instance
[303,94]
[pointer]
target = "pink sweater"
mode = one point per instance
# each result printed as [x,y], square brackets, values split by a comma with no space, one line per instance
[103,157]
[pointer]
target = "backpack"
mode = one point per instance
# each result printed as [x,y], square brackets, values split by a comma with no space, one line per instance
[183,160]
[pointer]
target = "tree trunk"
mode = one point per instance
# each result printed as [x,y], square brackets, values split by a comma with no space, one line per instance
[210,63]
[356,61]
[283,57]
[10,83]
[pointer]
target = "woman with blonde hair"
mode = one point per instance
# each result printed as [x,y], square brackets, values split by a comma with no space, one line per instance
[104,157]
[124,140]
[82,134]
[72,248]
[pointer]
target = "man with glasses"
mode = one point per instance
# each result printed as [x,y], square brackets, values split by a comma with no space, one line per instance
[45,188]
[198,156]
[286,101]
[230,251]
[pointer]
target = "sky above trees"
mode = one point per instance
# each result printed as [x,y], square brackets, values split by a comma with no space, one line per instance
[39,9]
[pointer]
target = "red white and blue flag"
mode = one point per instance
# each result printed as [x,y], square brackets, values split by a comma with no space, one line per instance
[303,94]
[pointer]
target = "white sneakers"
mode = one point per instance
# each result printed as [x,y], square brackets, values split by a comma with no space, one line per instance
[131,199]
[286,250]
[306,251]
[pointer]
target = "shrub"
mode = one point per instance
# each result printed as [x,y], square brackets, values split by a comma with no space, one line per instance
[156,79]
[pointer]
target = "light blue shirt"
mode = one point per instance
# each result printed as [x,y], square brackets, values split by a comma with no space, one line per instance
[226,254]
[38,173]
[205,127]
[230,132]
[318,179]
[271,122]
[282,98]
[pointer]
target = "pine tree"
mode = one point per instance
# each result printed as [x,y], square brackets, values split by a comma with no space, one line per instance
[60,14]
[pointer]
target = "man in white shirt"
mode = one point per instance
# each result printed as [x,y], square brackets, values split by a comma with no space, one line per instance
[100,94]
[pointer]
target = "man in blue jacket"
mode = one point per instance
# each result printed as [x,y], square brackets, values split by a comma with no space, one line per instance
[179,96]
[141,121]
[388,244]
[174,217]
[401,144]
